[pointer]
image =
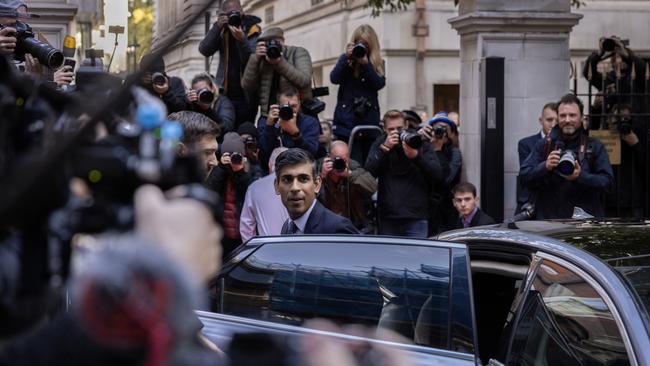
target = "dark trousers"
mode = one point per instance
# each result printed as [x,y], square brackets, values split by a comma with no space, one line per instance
[410,228]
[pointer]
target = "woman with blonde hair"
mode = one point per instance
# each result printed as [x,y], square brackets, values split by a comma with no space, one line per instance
[359,73]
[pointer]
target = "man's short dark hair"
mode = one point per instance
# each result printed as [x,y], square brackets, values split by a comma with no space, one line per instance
[464,187]
[195,126]
[294,156]
[572,99]
[552,106]
[288,93]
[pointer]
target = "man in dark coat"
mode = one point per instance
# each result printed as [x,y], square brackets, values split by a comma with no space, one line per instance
[466,202]
[170,89]
[297,183]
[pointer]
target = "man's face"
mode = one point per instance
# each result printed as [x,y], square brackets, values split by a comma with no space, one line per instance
[465,202]
[206,149]
[548,120]
[294,102]
[326,135]
[297,188]
[394,124]
[570,118]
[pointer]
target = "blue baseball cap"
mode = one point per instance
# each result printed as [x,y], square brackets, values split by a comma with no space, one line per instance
[442,117]
[9,8]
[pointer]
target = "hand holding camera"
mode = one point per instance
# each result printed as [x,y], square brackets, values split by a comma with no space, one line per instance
[392,140]
[270,51]
[357,52]
[612,44]
[288,120]
[235,160]
[553,159]
[63,76]
[202,96]
[7,40]
[160,83]
[336,165]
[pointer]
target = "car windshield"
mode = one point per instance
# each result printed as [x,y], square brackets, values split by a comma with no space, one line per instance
[623,247]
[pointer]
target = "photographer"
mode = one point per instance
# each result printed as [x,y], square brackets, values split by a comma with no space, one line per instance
[234,36]
[405,168]
[199,138]
[347,187]
[249,136]
[287,126]
[443,134]
[568,169]
[169,89]
[275,68]
[204,98]
[359,73]
[230,180]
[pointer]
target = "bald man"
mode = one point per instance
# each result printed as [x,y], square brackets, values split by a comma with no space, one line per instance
[347,187]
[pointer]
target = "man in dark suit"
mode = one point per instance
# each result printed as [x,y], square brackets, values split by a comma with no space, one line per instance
[297,183]
[466,202]
[547,120]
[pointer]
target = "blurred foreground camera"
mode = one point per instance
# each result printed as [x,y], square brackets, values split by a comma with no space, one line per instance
[234,18]
[158,78]
[339,164]
[567,162]
[205,96]
[359,51]
[286,112]
[273,49]
[413,140]
[27,43]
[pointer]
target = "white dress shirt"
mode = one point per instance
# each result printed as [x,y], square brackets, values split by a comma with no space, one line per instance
[263,212]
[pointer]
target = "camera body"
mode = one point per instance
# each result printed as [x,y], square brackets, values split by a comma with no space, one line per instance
[624,125]
[339,164]
[234,18]
[568,159]
[359,50]
[413,140]
[439,131]
[205,96]
[273,49]
[236,158]
[251,143]
[26,43]
[286,112]
[158,78]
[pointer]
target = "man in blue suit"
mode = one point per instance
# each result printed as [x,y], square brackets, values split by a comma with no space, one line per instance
[547,120]
[297,183]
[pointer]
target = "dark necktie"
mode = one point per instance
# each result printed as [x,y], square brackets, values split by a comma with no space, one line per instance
[292,229]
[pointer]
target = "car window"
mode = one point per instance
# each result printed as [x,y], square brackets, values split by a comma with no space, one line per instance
[565,321]
[399,287]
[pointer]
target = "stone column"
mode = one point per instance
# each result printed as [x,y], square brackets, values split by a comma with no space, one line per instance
[533,37]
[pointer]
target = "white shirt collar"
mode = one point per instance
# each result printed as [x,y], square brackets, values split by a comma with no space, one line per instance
[541,133]
[301,222]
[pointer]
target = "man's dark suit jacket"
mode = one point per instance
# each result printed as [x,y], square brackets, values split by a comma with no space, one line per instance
[479,219]
[525,146]
[323,221]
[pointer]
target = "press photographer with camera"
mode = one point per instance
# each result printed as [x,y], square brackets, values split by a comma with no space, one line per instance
[347,187]
[230,180]
[234,35]
[359,73]
[249,135]
[442,132]
[204,98]
[277,67]
[287,126]
[405,167]
[568,169]
[170,89]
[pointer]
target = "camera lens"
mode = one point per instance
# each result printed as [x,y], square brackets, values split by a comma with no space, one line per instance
[286,112]
[26,43]
[359,50]
[339,164]
[439,131]
[236,158]
[205,96]
[158,78]
[567,163]
[234,19]
[609,45]
[273,49]
[413,140]
[251,143]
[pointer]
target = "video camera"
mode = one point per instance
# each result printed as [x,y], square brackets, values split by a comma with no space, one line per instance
[26,42]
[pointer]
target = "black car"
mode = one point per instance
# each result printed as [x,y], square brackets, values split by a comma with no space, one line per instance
[481,295]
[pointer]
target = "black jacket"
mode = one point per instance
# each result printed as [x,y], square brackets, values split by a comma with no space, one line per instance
[403,186]
[175,98]
[217,182]
[323,221]
[524,147]
[222,112]
[556,196]
[479,219]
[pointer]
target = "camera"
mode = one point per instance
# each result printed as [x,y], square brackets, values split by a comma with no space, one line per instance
[251,143]
[567,162]
[158,78]
[439,131]
[26,43]
[359,51]
[273,49]
[609,44]
[339,164]
[624,125]
[286,112]
[236,158]
[234,18]
[205,96]
[413,140]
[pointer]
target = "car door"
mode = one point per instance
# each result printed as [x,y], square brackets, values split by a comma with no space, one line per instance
[418,288]
[566,318]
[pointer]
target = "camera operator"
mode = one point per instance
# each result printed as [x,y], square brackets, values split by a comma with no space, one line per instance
[405,167]
[230,180]
[359,73]
[287,126]
[204,98]
[568,169]
[443,134]
[248,134]
[234,36]
[623,61]
[169,89]
[347,187]
[200,135]
[626,200]
[276,67]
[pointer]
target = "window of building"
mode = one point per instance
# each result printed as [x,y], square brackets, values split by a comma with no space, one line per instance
[445,97]
[268,15]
